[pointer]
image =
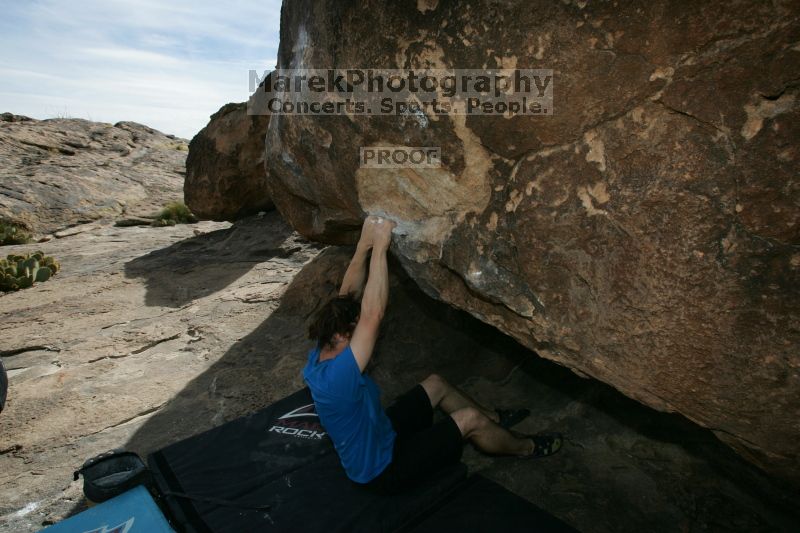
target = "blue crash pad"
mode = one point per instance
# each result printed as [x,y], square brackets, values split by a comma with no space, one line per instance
[131,512]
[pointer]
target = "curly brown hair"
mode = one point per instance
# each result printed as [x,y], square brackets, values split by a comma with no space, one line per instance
[339,315]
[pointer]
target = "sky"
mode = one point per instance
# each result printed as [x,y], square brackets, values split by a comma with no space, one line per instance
[167,64]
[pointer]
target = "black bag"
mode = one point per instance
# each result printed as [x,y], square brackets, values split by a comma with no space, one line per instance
[112,473]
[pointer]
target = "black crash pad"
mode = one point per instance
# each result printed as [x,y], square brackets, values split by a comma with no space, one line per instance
[281,457]
[483,506]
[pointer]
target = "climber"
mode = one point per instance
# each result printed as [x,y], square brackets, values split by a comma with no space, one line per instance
[391,450]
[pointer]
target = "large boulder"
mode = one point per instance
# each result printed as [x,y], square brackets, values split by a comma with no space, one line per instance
[225,176]
[646,234]
[59,173]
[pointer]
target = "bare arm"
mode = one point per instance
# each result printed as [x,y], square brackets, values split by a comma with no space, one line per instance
[376,296]
[356,274]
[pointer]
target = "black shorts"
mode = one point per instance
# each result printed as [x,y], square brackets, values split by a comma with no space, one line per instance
[421,447]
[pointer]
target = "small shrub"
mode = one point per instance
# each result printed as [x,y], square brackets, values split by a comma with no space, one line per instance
[174,213]
[11,233]
[22,271]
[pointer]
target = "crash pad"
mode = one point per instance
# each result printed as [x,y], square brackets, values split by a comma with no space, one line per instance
[482,506]
[277,470]
[133,511]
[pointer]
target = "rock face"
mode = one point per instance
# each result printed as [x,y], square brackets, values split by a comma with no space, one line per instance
[646,234]
[58,173]
[225,177]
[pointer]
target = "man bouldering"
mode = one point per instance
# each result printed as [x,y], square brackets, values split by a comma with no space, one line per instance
[390,450]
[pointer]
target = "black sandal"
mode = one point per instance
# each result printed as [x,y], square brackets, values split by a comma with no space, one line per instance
[544,445]
[508,418]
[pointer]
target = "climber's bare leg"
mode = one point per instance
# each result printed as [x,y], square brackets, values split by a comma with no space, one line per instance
[475,422]
[450,399]
[487,436]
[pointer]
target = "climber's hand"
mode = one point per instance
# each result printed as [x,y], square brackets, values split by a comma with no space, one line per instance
[382,231]
[367,233]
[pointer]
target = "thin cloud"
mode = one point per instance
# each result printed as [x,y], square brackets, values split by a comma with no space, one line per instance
[167,65]
[131,55]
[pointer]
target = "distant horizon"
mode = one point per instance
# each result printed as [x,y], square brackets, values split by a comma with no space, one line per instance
[97,121]
[169,67]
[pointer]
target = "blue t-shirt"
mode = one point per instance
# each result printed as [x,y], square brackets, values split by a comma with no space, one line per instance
[349,408]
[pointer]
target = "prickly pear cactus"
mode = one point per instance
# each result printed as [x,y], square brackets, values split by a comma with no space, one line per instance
[22,271]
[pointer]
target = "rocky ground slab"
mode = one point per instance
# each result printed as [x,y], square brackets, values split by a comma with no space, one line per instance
[149,335]
[60,173]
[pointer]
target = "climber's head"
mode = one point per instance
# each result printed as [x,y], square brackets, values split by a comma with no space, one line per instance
[335,321]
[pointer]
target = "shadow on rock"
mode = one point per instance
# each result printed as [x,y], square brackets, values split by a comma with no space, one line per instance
[420,336]
[618,449]
[209,262]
